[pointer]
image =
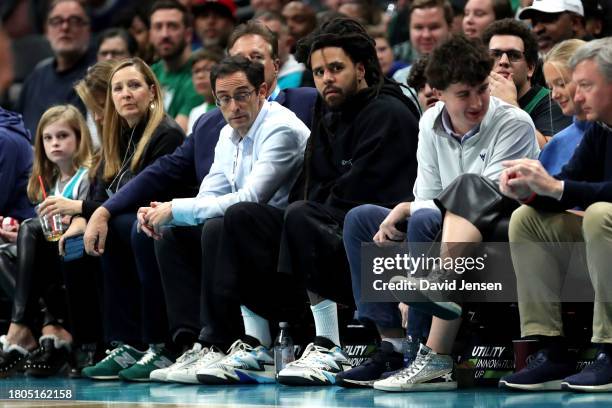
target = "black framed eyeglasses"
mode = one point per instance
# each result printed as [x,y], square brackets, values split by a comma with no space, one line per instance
[242,96]
[513,55]
[73,21]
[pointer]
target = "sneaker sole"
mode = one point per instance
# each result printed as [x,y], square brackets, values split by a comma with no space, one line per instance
[586,388]
[135,379]
[182,379]
[545,386]
[301,381]
[243,378]
[102,377]
[346,383]
[442,386]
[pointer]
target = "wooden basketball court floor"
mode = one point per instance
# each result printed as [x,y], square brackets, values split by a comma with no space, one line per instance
[116,394]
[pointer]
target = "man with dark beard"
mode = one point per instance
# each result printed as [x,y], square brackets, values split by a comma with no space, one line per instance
[170,34]
[362,149]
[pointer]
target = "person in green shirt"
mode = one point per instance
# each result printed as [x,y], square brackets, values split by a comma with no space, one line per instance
[170,33]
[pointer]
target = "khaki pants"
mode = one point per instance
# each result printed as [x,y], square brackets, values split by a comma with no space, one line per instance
[540,272]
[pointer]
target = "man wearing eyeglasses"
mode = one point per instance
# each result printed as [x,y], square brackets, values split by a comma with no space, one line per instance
[68,31]
[515,52]
[257,158]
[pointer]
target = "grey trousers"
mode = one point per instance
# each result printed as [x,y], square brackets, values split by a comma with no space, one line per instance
[540,272]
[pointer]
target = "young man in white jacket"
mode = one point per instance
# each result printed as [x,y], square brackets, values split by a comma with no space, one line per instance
[467,133]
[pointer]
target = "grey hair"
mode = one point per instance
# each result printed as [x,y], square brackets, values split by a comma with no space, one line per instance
[598,50]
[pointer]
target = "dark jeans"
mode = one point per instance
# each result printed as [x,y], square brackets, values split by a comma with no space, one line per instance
[360,225]
[134,307]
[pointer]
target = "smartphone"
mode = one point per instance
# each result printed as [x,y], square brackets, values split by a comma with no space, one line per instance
[73,248]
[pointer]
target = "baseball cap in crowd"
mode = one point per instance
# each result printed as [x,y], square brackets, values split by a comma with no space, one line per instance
[225,7]
[552,7]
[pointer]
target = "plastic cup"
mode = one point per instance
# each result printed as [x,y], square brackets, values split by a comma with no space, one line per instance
[52,227]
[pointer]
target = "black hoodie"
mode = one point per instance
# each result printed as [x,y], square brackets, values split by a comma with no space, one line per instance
[364,153]
[15,166]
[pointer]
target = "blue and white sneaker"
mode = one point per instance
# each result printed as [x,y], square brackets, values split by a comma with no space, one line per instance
[384,360]
[428,372]
[596,377]
[544,373]
[247,362]
[319,364]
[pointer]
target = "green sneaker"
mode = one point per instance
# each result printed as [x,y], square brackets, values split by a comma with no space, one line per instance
[118,359]
[152,360]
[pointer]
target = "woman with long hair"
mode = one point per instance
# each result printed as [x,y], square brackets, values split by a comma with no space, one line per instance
[135,133]
[557,152]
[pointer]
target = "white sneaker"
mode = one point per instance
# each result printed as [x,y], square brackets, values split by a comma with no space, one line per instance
[428,372]
[244,364]
[319,364]
[186,358]
[186,374]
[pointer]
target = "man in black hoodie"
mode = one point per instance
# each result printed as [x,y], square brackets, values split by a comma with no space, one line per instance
[362,149]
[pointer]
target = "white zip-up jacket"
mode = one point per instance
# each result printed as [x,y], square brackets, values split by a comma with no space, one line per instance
[506,133]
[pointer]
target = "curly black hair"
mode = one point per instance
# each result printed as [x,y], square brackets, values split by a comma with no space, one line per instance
[458,60]
[349,35]
[509,26]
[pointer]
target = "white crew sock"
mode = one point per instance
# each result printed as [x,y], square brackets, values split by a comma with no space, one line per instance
[325,315]
[256,326]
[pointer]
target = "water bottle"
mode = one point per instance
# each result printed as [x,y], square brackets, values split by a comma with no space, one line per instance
[410,348]
[283,348]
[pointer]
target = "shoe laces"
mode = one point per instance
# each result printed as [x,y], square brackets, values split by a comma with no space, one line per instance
[205,356]
[188,354]
[312,356]
[149,356]
[416,366]
[239,347]
[539,359]
[112,353]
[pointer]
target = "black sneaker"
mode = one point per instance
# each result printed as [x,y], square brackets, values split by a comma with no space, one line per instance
[50,358]
[596,377]
[544,373]
[12,358]
[384,360]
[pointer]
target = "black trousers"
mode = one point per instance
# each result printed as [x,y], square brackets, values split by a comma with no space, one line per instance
[266,259]
[179,255]
[48,291]
[134,307]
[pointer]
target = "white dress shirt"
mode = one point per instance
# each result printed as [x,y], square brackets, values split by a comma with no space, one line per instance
[260,167]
